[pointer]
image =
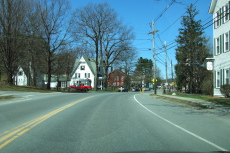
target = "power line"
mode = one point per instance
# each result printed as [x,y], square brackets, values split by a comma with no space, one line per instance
[177,19]
[206,25]
[167,7]
[160,60]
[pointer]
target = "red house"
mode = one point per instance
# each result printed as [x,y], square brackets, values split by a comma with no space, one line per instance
[116,78]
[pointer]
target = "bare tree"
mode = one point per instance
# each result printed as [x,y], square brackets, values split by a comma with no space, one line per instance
[34,61]
[116,42]
[54,15]
[99,26]
[85,50]
[12,23]
[126,60]
[64,63]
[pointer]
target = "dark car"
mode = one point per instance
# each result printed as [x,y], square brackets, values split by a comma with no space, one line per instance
[136,88]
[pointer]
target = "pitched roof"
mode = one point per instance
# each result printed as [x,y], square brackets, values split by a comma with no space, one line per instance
[117,70]
[54,78]
[90,62]
[75,66]
[212,6]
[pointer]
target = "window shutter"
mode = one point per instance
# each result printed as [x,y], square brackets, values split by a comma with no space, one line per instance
[215,20]
[214,47]
[228,10]
[223,43]
[220,19]
[229,76]
[223,77]
[215,73]
[220,40]
[223,15]
[220,44]
[229,37]
[220,77]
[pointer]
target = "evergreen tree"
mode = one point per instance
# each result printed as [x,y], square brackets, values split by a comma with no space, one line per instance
[191,53]
[144,68]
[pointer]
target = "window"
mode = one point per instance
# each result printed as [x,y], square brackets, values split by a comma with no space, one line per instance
[226,41]
[217,46]
[20,73]
[82,67]
[63,84]
[226,11]
[218,79]
[77,75]
[217,19]
[226,76]
[87,75]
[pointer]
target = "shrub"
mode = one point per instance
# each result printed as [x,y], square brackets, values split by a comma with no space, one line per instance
[225,90]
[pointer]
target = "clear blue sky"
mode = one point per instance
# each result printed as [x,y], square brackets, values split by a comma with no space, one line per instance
[140,13]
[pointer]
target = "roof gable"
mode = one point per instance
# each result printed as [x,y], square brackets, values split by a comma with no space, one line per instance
[90,62]
[212,7]
[118,72]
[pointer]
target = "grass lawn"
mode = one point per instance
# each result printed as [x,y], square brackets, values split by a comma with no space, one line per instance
[4,87]
[217,100]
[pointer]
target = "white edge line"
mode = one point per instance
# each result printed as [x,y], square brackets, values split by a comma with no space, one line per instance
[181,128]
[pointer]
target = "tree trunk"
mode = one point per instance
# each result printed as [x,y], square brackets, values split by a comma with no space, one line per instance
[49,71]
[10,78]
[106,78]
[96,73]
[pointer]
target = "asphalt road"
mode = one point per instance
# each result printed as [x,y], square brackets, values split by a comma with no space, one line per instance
[107,122]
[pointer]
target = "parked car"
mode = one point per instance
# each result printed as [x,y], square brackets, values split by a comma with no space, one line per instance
[81,87]
[123,89]
[137,88]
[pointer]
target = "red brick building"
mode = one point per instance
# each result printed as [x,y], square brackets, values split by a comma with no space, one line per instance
[116,78]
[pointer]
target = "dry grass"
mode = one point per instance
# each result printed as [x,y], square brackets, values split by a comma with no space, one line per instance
[5,87]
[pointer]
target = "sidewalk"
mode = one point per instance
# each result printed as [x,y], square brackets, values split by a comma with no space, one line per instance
[193,100]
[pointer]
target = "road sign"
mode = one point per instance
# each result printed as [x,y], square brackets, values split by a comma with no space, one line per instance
[210,66]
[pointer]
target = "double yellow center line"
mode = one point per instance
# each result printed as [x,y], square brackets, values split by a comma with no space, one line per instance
[10,135]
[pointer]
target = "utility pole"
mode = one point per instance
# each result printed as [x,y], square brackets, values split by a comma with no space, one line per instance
[166,63]
[172,72]
[154,56]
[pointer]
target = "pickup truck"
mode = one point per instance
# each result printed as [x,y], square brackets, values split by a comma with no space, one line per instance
[81,87]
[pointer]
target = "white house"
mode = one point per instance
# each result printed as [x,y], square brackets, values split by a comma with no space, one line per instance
[84,71]
[60,81]
[20,78]
[221,35]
